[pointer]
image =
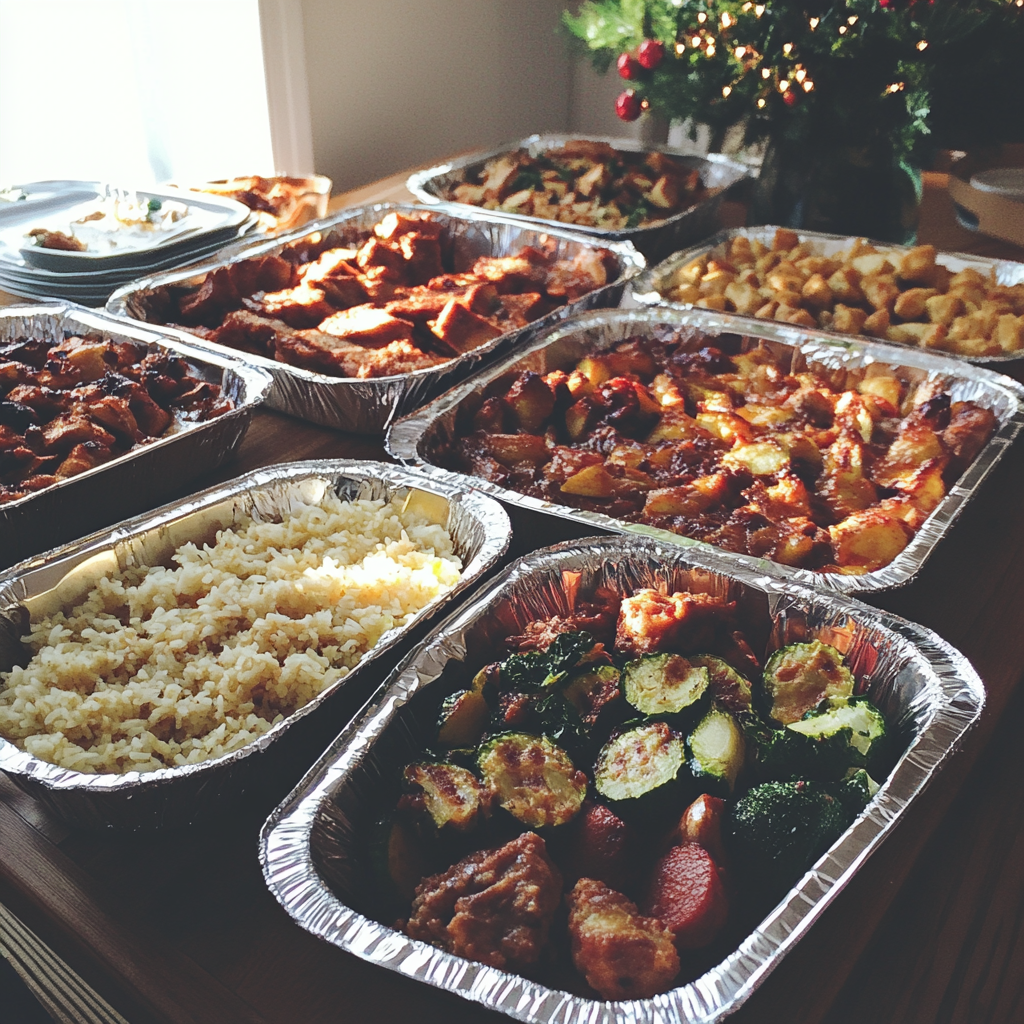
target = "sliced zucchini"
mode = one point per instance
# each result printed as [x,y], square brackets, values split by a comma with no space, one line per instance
[534,780]
[664,684]
[852,722]
[642,767]
[397,860]
[800,676]
[462,719]
[451,795]
[717,751]
[592,691]
[728,688]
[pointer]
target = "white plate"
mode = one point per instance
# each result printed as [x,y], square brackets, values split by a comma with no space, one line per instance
[1004,181]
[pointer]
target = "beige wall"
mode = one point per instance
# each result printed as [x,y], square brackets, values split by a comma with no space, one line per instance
[395,83]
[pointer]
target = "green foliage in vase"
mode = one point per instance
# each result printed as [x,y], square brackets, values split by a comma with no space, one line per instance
[915,73]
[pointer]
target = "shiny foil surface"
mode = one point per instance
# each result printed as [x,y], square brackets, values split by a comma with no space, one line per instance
[656,239]
[422,437]
[647,288]
[367,406]
[142,477]
[313,846]
[168,797]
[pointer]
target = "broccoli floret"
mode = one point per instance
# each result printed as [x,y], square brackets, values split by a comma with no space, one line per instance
[855,792]
[778,830]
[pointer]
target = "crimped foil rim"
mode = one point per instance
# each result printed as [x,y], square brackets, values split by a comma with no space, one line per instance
[645,292]
[256,380]
[632,261]
[496,531]
[406,438]
[285,840]
[419,182]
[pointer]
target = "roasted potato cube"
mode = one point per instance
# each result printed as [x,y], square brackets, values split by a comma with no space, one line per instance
[816,292]
[868,539]
[880,290]
[973,346]
[684,293]
[531,401]
[872,263]
[886,387]
[917,264]
[594,180]
[691,273]
[848,319]
[743,297]
[943,309]
[908,334]
[715,282]
[811,265]
[764,263]
[911,304]
[800,318]
[769,416]
[740,250]
[675,425]
[760,458]
[593,482]
[1009,332]
[915,445]
[768,310]
[716,302]
[784,239]
[845,285]
[970,277]
[877,324]
[691,499]
[512,448]
[665,192]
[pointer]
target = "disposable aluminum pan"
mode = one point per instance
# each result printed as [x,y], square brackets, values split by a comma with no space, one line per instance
[367,406]
[313,846]
[139,478]
[423,436]
[656,239]
[648,287]
[169,797]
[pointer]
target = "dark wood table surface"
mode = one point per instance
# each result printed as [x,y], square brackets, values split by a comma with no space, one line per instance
[179,928]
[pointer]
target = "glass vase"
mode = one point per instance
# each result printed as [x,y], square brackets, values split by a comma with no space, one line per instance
[843,190]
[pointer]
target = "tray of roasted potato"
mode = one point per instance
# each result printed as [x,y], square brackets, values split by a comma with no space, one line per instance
[365,315]
[656,197]
[965,306]
[620,784]
[840,463]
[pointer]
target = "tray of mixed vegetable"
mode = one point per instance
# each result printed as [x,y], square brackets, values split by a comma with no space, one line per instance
[620,783]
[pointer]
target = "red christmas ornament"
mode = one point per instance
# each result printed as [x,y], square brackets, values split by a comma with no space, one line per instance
[628,66]
[627,105]
[789,97]
[650,53]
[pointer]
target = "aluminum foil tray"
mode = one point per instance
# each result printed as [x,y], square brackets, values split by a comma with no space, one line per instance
[311,846]
[655,240]
[367,406]
[647,287]
[422,436]
[176,796]
[140,478]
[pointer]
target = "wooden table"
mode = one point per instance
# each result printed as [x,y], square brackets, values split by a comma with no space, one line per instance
[180,928]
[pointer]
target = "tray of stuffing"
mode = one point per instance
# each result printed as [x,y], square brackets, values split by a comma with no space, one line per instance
[619,784]
[656,197]
[969,307]
[367,314]
[154,674]
[94,407]
[840,463]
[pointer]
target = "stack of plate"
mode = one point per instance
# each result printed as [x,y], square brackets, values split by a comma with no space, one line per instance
[90,277]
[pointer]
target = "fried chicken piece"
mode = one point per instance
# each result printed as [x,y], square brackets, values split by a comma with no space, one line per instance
[494,906]
[970,427]
[82,457]
[650,621]
[247,332]
[622,954]
[112,412]
[367,326]
[400,356]
[262,274]
[215,296]
[304,305]
[72,428]
[45,402]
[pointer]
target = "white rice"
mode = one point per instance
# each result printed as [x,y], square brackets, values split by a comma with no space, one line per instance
[160,667]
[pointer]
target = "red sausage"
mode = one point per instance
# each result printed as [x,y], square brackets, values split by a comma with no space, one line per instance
[601,848]
[687,895]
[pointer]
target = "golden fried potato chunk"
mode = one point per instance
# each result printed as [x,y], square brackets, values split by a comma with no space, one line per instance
[622,954]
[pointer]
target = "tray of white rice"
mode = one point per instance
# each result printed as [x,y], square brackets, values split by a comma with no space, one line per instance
[209,650]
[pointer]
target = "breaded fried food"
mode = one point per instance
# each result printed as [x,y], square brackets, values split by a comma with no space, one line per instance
[622,954]
[494,906]
[650,621]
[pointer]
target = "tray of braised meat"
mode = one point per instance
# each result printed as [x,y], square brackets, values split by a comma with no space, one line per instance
[841,463]
[656,197]
[624,773]
[367,314]
[970,307]
[94,408]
